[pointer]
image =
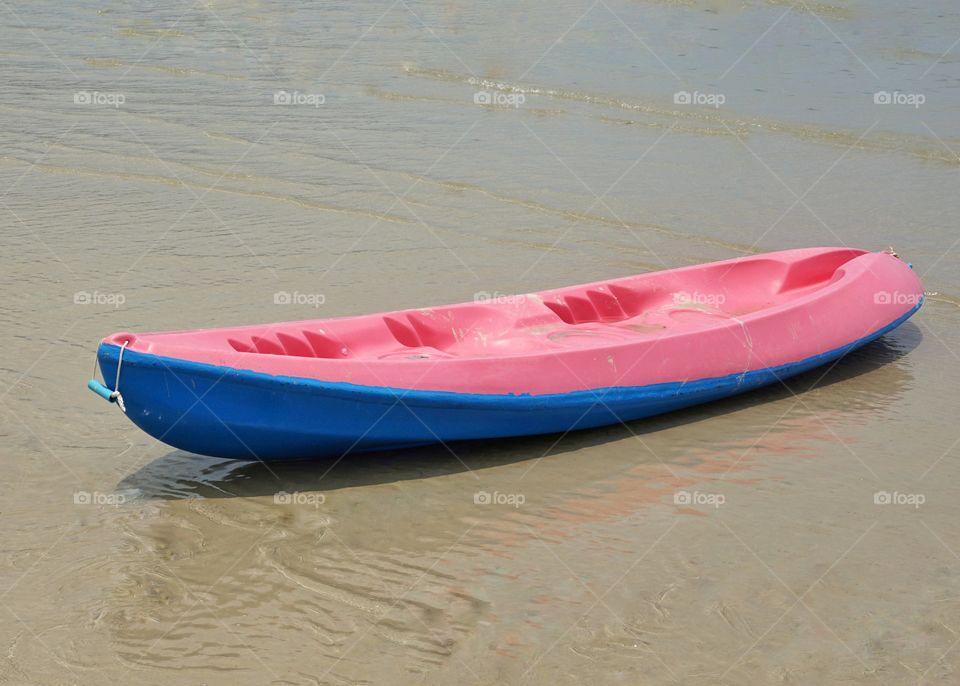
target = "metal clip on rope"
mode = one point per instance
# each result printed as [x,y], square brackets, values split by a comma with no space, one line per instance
[112,396]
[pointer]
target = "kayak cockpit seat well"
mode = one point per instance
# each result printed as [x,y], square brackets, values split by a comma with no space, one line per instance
[585,316]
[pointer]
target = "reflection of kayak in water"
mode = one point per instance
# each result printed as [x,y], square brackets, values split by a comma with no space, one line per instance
[559,360]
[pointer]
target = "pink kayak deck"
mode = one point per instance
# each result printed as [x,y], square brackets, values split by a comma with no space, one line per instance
[683,324]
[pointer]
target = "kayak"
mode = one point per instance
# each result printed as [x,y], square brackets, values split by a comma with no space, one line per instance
[554,361]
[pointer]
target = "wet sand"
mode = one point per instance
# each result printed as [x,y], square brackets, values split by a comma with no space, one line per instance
[800,535]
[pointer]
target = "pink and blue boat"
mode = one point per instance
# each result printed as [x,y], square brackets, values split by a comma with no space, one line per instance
[555,361]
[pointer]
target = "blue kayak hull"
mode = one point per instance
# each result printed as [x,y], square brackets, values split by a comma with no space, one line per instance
[245,415]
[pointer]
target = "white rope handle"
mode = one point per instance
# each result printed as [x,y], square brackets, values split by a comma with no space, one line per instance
[116,383]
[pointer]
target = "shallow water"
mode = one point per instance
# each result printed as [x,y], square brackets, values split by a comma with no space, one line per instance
[197,199]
